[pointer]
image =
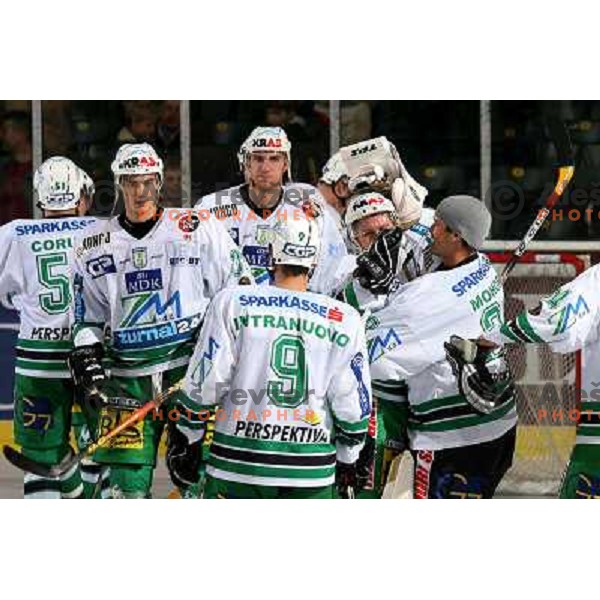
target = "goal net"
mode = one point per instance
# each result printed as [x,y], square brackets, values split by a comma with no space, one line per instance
[547,383]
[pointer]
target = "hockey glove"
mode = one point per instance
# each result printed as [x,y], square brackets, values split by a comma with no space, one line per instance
[377,267]
[183,458]
[345,480]
[85,363]
[365,464]
[484,378]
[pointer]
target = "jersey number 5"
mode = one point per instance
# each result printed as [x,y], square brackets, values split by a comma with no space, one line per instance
[58,298]
[288,362]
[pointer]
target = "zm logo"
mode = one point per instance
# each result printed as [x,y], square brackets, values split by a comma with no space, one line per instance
[380,345]
[205,363]
[147,308]
[567,316]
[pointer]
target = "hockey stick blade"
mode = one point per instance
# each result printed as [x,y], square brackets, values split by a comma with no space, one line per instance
[19,460]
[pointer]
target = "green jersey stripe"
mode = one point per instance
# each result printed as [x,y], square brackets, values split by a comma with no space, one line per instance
[42,365]
[46,345]
[462,422]
[523,323]
[437,403]
[271,472]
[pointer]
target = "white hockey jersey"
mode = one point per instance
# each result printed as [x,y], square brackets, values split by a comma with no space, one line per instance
[251,230]
[406,350]
[149,296]
[35,255]
[290,372]
[567,321]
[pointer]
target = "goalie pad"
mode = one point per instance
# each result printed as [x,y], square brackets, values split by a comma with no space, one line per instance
[482,373]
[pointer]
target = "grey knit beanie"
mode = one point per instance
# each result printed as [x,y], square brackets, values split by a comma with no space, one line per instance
[467,216]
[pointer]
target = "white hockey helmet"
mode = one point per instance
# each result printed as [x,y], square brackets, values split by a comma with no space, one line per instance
[333,170]
[137,159]
[295,242]
[88,185]
[266,139]
[58,183]
[365,205]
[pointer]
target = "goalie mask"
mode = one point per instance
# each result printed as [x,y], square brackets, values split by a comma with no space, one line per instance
[266,139]
[295,242]
[59,184]
[137,159]
[366,205]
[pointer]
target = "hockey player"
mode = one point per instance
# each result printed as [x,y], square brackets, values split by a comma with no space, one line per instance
[289,369]
[333,184]
[459,452]
[34,271]
[250,211]
[569,320]
[142,282]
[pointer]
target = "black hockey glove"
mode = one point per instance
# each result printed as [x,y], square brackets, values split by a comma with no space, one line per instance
[484,378]
[345,480]
[365,464]
[377,266]
[183,458]
[88,374]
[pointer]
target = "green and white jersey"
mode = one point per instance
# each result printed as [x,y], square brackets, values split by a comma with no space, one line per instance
[250,227]
[35,255]
[568,320]
[146,298]
[406,351]
[290,373]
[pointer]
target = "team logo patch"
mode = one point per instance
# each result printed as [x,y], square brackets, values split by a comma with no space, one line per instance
[335,314]
[140,257]
[143,281]
[37,414]
[383,343]
[101,265]
[459,486]
[264,235]
[131,438]
[189,223]
[588,487]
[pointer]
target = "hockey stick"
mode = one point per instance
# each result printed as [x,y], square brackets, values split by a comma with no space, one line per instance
[566,169]
[24,463]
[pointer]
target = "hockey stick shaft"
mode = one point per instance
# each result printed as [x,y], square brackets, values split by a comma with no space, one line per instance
[566,170]
[20,461]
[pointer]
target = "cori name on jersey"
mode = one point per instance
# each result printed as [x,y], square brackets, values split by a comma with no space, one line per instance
[53,226]
[334,314]
[472,279]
